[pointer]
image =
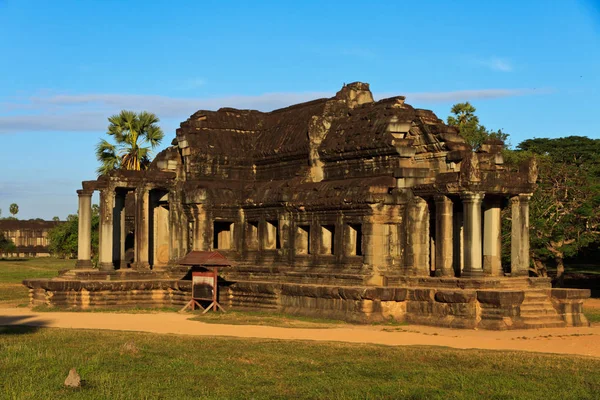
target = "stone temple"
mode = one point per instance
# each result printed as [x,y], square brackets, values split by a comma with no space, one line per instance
[341,207]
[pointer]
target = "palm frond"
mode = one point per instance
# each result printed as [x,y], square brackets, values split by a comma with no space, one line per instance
[154,135]
[147,119]
[107,155]
[143,152]
[129,129]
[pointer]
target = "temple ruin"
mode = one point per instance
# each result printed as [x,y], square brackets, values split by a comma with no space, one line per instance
[342,207]
[30,237]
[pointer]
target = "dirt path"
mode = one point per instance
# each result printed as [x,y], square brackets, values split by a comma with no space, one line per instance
[580,341]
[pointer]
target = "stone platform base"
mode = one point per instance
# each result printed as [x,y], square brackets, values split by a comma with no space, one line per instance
[497,304]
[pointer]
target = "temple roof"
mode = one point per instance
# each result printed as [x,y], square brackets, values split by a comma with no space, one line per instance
[347,148]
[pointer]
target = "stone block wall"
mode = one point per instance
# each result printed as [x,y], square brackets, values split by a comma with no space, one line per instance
[494,309]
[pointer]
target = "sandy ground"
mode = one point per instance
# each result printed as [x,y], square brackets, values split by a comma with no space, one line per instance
[579,341]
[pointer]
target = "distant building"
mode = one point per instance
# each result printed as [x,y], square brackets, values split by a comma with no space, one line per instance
[30,237]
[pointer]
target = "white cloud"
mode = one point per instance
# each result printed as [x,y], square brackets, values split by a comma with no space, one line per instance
[496,64]
[464,95]
[88,112]
[192,84]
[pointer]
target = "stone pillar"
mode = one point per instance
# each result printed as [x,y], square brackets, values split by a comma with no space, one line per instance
[200,220]
[457,239]
[178,228]
[119,230]
[375,238]
[472,234]
[417,237]
[443,236]
[519,262]
[492,237]
[107,204]
[375,250]
[142,219]
[84,242]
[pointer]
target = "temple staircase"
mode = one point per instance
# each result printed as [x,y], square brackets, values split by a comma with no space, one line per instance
[537,311]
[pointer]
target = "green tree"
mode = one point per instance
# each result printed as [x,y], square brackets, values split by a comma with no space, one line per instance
[134,136]
[463,117]
[13,209]
[63,237]
[55,219]
[6,245]
[565,208]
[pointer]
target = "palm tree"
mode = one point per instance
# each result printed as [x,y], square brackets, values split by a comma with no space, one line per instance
[14,209]
[464,113]
[131,132]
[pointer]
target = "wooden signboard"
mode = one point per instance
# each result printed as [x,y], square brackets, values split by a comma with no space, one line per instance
[204,288]
[205,281]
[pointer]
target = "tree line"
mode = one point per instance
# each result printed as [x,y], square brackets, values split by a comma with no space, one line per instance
[564,215]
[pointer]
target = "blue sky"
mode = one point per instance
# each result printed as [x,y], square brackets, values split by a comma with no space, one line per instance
[530,67]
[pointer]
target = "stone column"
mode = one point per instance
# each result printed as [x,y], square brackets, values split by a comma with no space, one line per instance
[443,236]
[107,204]
[84,242]
[458,239]
[492,237]
[178,227]
[200,219]
[472,234]
[119,230]
[142,220]
[519,262]
[417,237]
[375,237]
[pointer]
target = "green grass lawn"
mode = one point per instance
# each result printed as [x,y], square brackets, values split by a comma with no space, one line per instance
[592,314]
[126,365]
[13,271]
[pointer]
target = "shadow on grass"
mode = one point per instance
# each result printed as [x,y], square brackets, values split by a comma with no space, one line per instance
[13,259]
[20,324]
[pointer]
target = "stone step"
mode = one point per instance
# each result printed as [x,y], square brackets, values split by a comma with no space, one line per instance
[538,312]
[543,322]
[539,304]
[536,300]
[536,306]
[542,325]
[536,296]
[541,319]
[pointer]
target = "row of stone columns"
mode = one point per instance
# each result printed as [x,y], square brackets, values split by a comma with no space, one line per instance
[112,229]
[481,249]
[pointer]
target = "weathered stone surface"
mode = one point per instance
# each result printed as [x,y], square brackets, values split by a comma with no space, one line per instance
[421,294]
[500,298]
[571,294]
[73,379]
[485,309]
[386,294]
[462,296]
